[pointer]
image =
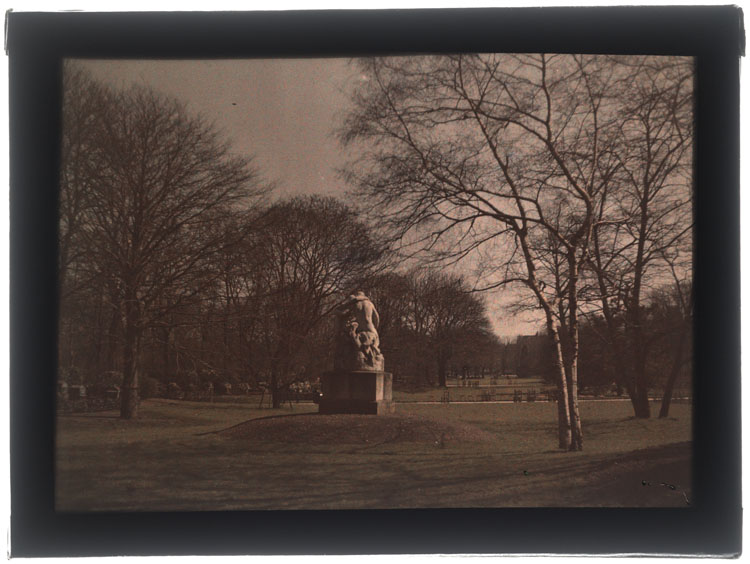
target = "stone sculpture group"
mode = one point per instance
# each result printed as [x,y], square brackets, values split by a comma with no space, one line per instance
[358,383]
[358,342]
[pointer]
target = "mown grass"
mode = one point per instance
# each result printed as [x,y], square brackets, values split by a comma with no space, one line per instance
[171,459]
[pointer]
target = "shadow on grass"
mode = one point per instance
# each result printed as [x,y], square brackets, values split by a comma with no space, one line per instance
[266,418]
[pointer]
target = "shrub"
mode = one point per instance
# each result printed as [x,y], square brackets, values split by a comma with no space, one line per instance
[150,388]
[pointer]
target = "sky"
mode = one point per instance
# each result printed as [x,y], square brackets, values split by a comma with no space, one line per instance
[281,111]
[284,112]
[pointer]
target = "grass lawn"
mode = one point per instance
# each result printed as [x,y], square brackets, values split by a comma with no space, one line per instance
[171,458]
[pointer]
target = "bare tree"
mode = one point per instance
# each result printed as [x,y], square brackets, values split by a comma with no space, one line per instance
[156,179]
[645,213]
[500,155]
[302,255]
[427,319]
[449,313]
[680,302]
[84,102]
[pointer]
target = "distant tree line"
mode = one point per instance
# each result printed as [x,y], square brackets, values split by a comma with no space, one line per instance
[669,350]
[177,266]
[431,323]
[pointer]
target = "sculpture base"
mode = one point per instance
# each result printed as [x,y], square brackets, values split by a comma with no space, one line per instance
[357,391]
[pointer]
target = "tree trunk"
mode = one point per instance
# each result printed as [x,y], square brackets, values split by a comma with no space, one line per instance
[676,365]
[69,355]
[641,406]
[572,357]
[112,339]
[637,382]
[276,398]
[631,374]
[129,391]
[165,356]
[274,389]
[620,373]
[100,333]
[575,415]
[442,378]
[614,350]
[563,412]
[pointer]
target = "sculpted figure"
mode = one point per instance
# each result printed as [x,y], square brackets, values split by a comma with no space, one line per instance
[367,318]
[358,344]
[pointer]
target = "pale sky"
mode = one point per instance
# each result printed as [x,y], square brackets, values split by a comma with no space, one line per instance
[282,111]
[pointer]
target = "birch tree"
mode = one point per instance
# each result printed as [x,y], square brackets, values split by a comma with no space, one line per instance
[501,157]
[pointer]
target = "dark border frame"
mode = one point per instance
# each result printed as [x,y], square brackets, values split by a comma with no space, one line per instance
[36,44]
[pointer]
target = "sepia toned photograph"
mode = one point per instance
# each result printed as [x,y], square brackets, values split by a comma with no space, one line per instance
[425,281]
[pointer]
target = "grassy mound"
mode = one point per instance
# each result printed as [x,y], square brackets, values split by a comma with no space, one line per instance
[314,428]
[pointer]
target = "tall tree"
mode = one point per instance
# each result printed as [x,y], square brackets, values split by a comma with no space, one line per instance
[156,180]
[84,103]
[302,255]
[645,213]
[450,314]
[678,306]
[426,319]
[497,154]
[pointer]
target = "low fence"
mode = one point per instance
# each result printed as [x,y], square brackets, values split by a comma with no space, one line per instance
[530,396]
[516,396]
[82,404]
[491,382]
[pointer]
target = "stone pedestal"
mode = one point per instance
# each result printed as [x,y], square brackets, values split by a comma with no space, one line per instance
[357,391]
